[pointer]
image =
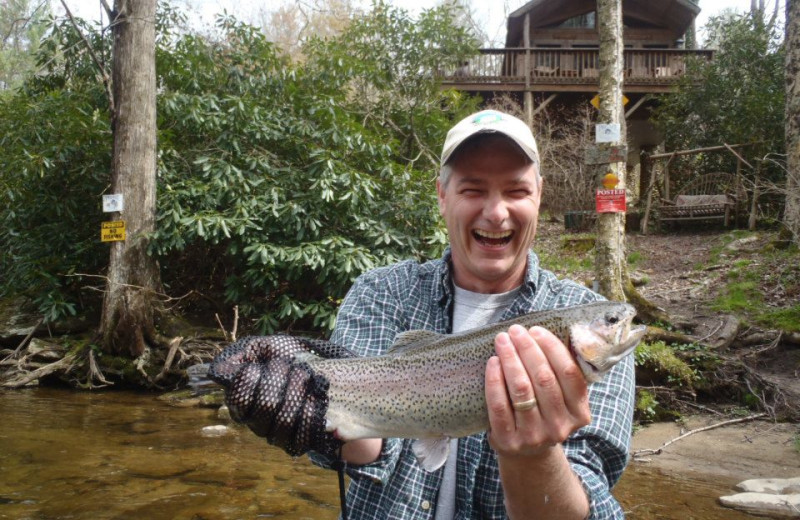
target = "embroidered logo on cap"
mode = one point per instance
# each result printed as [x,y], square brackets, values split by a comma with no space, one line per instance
[488,118]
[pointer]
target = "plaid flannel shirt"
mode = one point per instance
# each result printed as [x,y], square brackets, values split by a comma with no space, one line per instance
[409,296]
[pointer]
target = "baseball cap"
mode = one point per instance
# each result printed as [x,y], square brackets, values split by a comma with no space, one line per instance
[490,121]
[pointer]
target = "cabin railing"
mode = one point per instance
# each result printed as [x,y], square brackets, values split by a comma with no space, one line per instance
[548,66]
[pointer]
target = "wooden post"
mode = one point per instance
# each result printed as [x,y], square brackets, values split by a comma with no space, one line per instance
[648,165]
[528,95]
[751,222]
[737,183]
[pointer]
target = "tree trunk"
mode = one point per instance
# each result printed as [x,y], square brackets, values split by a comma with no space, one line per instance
[610,247]
[791,216]
[133,276]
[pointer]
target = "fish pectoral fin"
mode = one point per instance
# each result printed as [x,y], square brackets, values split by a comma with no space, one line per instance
[412,339]
[432,452]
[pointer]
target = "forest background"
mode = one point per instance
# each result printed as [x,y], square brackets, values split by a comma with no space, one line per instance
[286,171]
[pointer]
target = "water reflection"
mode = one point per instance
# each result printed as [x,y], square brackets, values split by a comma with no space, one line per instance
[121,455]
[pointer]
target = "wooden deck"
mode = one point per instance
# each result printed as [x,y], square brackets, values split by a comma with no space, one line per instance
[567,70]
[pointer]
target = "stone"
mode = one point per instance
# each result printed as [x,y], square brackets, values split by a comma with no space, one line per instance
[217,430]
[224,414]
[724,336]
[773,506]
[743,244]
[639,278]
[15,324]
[45,350]
[776,486]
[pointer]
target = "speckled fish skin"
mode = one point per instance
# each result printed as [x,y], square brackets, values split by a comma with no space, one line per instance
[303,394]
[435,388]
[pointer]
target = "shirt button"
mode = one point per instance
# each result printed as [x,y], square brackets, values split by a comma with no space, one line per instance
[426,505]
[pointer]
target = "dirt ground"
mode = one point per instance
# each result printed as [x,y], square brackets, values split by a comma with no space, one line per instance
[684,271]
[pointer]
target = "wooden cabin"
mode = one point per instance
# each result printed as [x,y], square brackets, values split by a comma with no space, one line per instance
[551,54]
[552,47]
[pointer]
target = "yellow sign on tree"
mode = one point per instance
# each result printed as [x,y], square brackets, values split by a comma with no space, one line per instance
[596,101]
[610,181]
[112,231]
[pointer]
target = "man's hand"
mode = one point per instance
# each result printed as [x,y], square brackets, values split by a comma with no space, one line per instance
[274,394]
[533,365]
[538,481]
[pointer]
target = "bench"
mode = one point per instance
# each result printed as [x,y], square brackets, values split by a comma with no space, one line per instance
[713,196]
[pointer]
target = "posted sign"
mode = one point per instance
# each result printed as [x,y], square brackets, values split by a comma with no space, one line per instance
[113,231]
[610,201]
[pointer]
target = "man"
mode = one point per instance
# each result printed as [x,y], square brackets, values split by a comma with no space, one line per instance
[541,457]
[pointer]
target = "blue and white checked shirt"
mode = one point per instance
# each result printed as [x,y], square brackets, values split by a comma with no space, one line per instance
[409,296]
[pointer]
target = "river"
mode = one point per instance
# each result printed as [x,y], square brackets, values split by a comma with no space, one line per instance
[124,455]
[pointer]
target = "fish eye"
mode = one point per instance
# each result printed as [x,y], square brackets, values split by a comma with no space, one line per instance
[612,319]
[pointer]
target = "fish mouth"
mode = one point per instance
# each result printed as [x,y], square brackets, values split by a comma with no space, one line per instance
[590,371]
[493,238]
[626,340]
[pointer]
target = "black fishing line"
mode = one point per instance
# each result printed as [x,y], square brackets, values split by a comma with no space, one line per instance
[339,465]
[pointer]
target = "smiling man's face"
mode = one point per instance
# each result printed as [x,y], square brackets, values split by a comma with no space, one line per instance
[490,205]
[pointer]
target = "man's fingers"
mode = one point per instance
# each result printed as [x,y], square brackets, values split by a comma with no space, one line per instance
[573,391]
[501,420]
[538,373]
[510,349]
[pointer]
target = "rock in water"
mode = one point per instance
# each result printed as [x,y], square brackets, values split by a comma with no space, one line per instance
[765,504]
[217,430]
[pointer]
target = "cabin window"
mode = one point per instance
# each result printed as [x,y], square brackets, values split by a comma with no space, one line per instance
[582,21]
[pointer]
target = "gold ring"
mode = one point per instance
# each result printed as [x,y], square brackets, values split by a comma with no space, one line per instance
[525,405]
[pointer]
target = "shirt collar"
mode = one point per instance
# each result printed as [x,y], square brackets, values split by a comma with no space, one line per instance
[445,285]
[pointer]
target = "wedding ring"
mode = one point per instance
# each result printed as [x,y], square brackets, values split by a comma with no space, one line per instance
[525,405]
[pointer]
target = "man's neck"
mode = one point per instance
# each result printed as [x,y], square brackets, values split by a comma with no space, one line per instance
[489,286]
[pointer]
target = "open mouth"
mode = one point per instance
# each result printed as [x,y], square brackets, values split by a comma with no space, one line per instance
[589,369]
[493,239]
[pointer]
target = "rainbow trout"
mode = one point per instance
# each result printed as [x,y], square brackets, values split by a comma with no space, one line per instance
[312,395]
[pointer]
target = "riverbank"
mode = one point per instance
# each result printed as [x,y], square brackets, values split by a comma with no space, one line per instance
[736,452]
[693,472]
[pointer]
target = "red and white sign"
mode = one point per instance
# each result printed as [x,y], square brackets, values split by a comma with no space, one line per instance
[610,201]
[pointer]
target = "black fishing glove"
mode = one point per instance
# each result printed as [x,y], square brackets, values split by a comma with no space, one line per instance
[277,395]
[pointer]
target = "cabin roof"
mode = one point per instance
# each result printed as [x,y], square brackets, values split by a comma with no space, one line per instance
[674,15]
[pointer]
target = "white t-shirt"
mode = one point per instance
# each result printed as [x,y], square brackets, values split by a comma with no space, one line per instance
[470,310]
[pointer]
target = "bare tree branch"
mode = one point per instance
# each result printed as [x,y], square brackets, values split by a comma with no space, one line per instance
[19,24]
[103,73]
[109,11]
[657,451]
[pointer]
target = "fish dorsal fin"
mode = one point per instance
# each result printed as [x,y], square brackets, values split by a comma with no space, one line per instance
[432,452]
[411,339]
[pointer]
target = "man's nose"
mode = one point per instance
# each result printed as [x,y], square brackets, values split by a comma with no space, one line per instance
[495,209]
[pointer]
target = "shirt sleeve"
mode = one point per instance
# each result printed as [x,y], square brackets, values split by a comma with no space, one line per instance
[598,453]
[367,323]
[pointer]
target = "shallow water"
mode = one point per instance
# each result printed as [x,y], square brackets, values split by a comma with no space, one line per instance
[121,455]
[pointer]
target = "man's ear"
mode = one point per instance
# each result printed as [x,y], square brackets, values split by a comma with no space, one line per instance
[440,196]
